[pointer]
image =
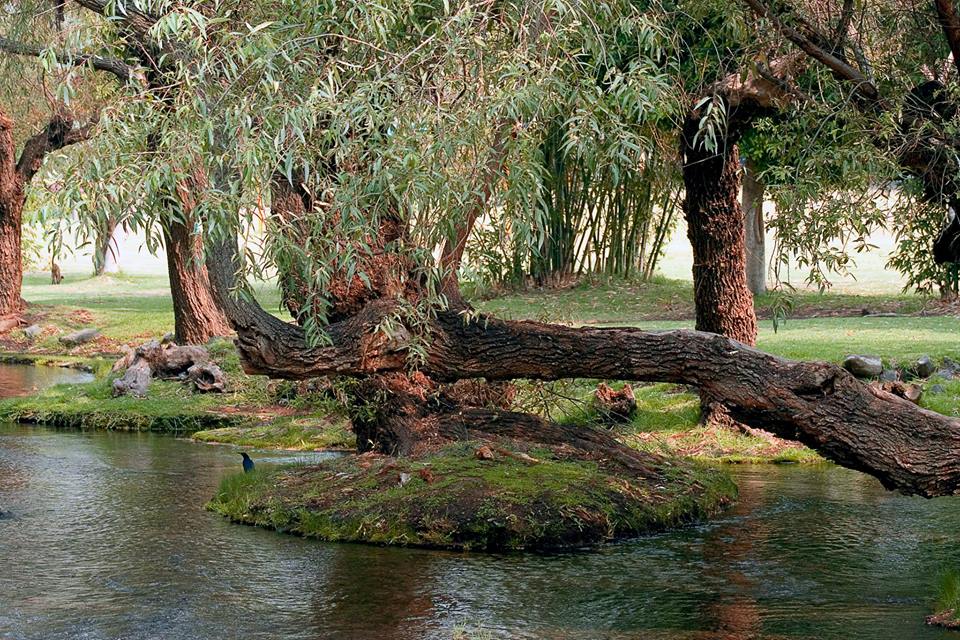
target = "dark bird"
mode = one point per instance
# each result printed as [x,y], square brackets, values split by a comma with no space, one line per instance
[247,462]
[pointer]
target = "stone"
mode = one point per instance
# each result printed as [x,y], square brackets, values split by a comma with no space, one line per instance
[949,369]
[889,375]
[33,331]
[168,338]
[924,367]
[79,337]
[938,388]
[863,366]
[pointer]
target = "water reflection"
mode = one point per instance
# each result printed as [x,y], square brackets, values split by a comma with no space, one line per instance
[109,539]
[23,380]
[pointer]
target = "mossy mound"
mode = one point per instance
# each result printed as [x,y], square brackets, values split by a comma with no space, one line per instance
[452,499]
[297,433]
[170,408]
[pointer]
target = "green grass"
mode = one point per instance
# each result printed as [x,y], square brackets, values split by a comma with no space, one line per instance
[249,414]
[170,408]
[451,499]
[948,593]
[296,433]
[610,301]
[128,309]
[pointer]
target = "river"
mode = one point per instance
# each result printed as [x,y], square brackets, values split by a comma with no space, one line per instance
[106,537]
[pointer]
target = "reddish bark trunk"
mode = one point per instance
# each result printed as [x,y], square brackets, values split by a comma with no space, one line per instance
[11,210]
[11,265]
[715,222]
[15,174]
[197,317]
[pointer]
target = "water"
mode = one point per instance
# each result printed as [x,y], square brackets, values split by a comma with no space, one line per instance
[108,539]
[23,380]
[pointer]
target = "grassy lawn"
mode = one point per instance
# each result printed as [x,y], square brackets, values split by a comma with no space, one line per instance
[604,301]
[127,309]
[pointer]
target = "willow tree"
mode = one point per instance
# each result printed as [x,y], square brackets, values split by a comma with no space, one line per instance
[72,44]
[383,133]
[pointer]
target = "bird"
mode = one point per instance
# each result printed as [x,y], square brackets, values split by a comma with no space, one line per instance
[247,462]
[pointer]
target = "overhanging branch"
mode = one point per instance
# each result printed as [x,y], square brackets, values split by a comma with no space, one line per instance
[59,132]
[120,69]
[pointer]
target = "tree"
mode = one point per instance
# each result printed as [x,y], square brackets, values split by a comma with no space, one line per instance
[15,175]
[754,230]
[141,71]
[378,121]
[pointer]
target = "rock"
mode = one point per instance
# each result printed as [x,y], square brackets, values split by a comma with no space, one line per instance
[32,332]
[924,367]
[889,375]
[79,337]
[168,338]
[949,369]
[135,380]
[483,453]
[938,388]
[404,478]
[863,366]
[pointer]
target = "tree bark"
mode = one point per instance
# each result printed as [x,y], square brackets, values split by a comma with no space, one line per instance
[15,174]
[754,231]
[11,212]
[105,257]
[197,317]
[711,205]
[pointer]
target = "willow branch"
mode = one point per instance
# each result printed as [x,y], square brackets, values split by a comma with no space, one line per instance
[121,70]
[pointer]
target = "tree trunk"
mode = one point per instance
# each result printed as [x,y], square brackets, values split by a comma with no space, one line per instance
[754,231]
[11,212]
[197,317]
[11,264]
[819,404]
[105,257]
[715,229]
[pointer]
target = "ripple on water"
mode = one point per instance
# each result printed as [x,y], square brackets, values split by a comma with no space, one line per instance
[110,540]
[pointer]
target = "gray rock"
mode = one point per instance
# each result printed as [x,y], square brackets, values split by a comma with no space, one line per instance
[168,338]
[32,331]
[863,366]
[938,388]
[924,367]
[889,375]
[79,337]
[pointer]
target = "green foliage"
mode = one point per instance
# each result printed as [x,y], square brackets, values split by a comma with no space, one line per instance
[948,592]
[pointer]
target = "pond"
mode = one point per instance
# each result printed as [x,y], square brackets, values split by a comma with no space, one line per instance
[106,537]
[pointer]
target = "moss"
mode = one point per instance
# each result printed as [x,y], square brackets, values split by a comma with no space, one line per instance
[298,433]
[169,408]
[453,500]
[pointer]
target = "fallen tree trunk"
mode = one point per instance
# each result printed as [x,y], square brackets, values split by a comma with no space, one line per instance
[907,448]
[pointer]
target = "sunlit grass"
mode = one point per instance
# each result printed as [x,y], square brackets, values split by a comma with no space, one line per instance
[948,593]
